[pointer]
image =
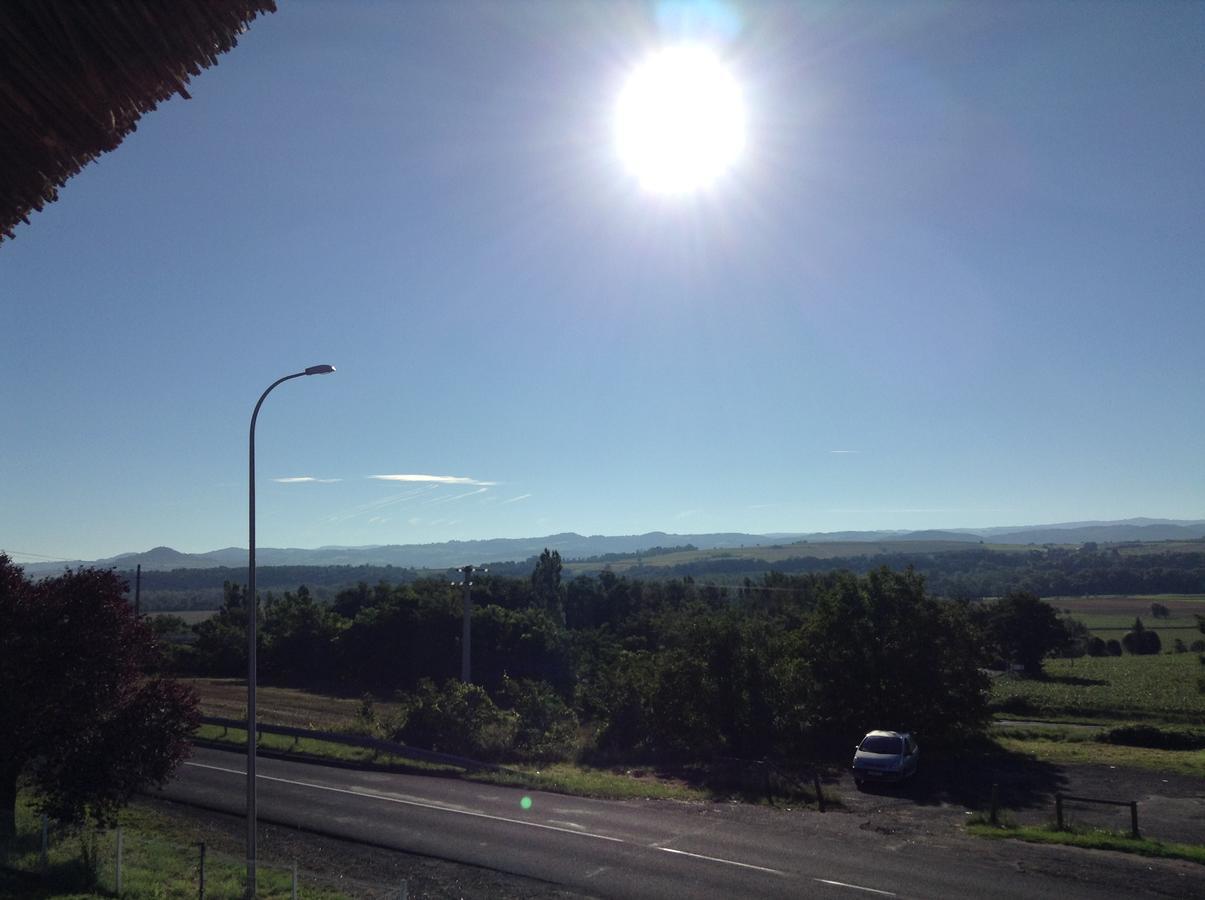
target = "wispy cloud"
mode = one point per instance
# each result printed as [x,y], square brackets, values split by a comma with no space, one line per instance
[377,505]
[306,479]
[514,499]
[433,479]
[844,451]
[686,514]
[439,500]
[762,505]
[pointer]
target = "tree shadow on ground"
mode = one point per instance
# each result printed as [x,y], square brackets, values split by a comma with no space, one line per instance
[1021,782]
[1074,680]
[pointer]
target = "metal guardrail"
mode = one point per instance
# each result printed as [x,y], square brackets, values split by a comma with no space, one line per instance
[354,740]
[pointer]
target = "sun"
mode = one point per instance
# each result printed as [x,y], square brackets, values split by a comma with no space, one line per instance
[680,120]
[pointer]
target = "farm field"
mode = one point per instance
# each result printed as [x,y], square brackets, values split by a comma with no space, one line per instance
[778,552]
[227,698]
[1159,688]
[191,616]
[1110,617]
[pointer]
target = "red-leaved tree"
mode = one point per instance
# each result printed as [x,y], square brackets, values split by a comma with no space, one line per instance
[80,720]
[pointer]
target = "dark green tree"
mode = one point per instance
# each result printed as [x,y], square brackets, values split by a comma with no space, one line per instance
[221,647]
[299,636]
[546,584]
[880,653]
[80,719]
[1141,641]
[1023,629]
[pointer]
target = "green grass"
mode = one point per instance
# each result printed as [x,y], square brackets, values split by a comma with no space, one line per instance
[560,778]
[318,749]
[1090,839]
[1091,752]
[1160,688]
[604,784]
[160,859]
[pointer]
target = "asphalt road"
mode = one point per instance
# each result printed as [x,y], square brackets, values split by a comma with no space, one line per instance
[650,848]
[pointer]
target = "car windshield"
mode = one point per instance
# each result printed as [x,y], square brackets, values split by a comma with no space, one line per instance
[882,744]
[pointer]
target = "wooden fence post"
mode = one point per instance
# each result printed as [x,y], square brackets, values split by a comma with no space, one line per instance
[1134,818]
[202,894]
[819,792]
[1058,810]
[119,848]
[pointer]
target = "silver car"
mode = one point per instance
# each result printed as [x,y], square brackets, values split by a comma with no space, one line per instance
[885,756]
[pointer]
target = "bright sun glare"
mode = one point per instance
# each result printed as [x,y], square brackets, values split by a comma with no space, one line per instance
[680,122]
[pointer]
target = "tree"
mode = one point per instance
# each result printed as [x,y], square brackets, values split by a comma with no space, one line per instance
[879,653]
[1023,629]
[80,720]
[546,584]
[1141,641]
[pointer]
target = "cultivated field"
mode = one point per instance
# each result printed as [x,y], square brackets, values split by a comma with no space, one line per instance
[1158,688]
[1112,616]
[227,698]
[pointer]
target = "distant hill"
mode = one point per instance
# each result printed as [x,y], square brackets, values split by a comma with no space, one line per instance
[573,546]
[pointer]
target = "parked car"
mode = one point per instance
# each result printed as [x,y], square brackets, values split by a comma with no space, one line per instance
[885,756]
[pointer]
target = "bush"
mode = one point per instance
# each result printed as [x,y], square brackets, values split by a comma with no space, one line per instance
[1097,647]
[458,718]
[1113,646]
[1154,738]
[547,727]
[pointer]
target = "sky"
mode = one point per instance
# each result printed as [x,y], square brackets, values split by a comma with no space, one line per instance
[954,279]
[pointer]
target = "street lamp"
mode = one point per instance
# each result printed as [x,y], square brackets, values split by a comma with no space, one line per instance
[252,609]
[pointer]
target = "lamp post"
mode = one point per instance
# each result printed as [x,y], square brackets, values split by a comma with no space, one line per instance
[252,610]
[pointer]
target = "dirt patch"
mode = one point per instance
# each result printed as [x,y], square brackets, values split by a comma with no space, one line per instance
[1170,807]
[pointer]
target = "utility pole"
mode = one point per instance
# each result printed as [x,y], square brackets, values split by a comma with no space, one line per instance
[138,591]
[466,636]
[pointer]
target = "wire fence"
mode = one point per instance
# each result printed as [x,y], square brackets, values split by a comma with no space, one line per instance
[131,863]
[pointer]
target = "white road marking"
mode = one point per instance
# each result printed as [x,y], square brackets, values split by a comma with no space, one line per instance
[856,887]
[730,862]
[433,806]
[567,824]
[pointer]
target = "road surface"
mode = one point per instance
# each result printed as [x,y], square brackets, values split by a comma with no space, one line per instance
[636,849]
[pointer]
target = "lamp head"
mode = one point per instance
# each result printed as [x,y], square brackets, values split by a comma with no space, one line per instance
[319,370]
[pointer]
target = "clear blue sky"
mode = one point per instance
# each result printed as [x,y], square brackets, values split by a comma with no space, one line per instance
[956,280]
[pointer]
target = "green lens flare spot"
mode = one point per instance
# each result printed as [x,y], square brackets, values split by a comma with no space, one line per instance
[525,803]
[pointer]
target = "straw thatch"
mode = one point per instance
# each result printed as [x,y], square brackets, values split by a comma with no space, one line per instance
[75,75]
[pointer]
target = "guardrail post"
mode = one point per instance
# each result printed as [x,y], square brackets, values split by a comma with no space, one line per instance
[45,845]
[202,872]
[294,879]
[1134,818]
[995,818]
[819,792]
[119,848]
[1058,810]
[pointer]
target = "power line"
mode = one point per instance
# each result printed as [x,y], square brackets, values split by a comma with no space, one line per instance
[38,556]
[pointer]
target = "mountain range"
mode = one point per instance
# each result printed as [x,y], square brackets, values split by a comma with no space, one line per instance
[575,546]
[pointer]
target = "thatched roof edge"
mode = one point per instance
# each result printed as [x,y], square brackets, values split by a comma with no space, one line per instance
[75,77]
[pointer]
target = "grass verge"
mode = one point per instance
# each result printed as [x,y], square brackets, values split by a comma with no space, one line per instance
[1094,753]
[1089,839]
[560,778]
[160,859]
